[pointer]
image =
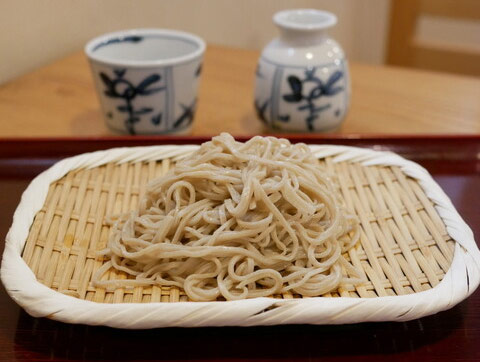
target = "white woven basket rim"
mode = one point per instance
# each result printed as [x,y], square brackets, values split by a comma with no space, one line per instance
[38,300]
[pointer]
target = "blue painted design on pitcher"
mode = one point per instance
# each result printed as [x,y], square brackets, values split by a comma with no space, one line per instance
[308,100]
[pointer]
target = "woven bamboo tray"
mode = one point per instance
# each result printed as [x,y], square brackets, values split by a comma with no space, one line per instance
[415,252]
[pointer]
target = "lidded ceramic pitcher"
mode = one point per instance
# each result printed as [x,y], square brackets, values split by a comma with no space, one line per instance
[302,79]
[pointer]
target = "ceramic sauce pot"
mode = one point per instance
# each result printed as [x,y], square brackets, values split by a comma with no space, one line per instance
[302,80]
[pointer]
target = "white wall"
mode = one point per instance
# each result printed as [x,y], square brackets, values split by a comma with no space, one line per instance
[34,32]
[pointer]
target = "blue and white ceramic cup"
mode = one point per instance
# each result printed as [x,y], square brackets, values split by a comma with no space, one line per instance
[147,79]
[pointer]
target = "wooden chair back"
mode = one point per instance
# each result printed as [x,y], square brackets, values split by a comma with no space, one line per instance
[405,48]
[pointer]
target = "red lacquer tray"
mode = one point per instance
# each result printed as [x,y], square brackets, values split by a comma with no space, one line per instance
[451,335]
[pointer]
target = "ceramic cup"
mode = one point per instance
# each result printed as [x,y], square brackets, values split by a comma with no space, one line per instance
[147,79]
[302,80]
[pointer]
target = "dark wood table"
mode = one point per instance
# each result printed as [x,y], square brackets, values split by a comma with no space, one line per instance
[453,335]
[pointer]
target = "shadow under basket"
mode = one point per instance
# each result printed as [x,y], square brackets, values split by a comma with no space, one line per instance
[405,251]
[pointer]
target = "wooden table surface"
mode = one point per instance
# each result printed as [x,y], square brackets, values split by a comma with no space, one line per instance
[59,100]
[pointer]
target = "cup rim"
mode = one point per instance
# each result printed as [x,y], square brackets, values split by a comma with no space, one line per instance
[281,19]
[93,43]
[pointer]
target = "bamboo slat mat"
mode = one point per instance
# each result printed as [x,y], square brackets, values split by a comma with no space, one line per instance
[404,246]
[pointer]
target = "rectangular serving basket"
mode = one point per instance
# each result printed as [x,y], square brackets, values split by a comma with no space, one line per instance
[416,252]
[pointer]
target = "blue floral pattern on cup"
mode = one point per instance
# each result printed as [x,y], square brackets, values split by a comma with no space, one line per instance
[125,39]
[120,87]
[187,115]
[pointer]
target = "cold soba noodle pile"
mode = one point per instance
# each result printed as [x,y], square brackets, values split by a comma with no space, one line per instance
[237,220]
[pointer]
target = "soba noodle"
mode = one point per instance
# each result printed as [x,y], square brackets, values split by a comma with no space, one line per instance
[237,220]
